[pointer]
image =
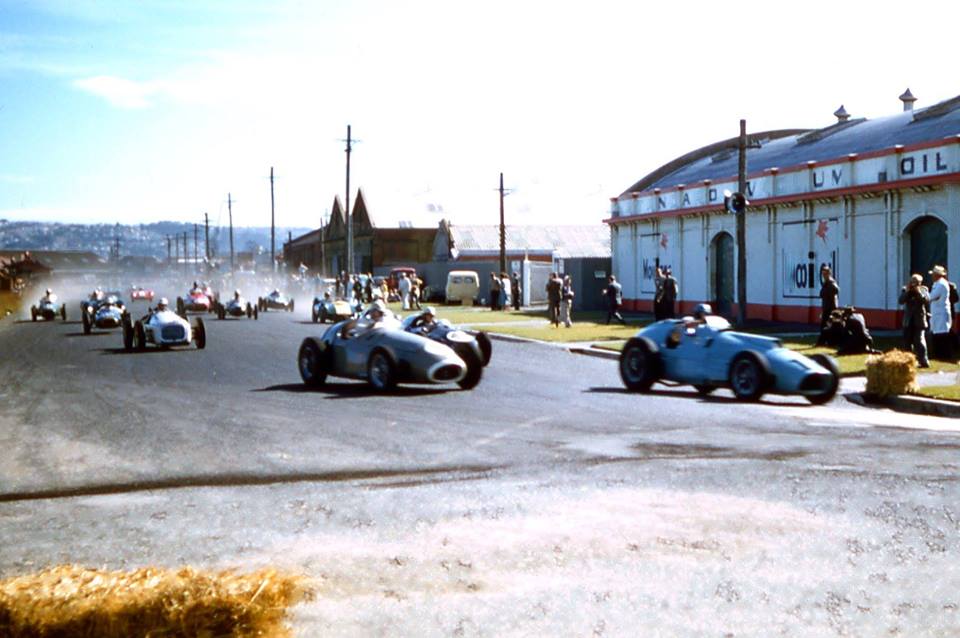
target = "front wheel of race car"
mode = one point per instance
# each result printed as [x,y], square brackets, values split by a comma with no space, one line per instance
[221,312]
[249,310]
[749,375]
[200,334]
[310,362]
[830,391]
[474,369]
[33,313]
[127,334]
[381,372]
[139,337]
[63,312]
[486,346]
[180,307]
[639,364]
[86,324]
[323,315]
[256,313]
[291,305]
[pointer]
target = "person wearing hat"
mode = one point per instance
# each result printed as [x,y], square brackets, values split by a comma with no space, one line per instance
[829,300]
[915,299]
[940,319]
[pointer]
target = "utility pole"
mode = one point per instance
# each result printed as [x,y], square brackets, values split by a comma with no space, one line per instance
[206,236]
[168,250]
[348,218]
[273,244]
[230,213]
[196,231]
[323,248]
[186,254]
[742,227]
[176,245]
[503,229]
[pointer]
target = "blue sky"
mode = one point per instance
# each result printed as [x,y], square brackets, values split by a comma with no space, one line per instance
[148,110]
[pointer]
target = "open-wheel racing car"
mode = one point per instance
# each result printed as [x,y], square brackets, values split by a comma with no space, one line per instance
[377,349]
[705,352]
[105,314]
[163,328]
[139,293]
[49,307]
[327,308]
[276,300]
[237,307]
[197,300]
[473,346]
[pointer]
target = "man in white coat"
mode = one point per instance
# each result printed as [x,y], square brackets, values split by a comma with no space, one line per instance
[940,320]
[404,286]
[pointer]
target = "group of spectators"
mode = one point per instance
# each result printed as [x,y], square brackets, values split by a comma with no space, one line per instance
[505,291]
[925,310]
[560,295]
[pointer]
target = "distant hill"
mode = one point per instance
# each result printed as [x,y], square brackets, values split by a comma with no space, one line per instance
[138,239]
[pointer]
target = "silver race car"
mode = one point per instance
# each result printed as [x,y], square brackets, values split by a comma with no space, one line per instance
[237,307]
[329,309]
[276,300]
[48,308]
[473,347]
[107,313]
[376,348]
[163,328]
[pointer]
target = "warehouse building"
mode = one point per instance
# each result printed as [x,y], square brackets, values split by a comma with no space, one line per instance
[875,199]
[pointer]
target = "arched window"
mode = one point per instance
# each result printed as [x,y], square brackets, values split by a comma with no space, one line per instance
[927,238]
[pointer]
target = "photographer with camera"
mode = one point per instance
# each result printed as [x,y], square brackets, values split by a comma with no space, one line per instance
[916,301]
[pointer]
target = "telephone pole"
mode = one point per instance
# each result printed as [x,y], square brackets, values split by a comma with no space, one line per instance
[176,245]
[742,227]
[273,243]
[186,254]
[348,218]
[230,213]
[503,232]
[206,237]
[168,250]
[196,231]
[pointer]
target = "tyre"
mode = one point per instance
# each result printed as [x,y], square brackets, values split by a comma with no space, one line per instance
[63,312]
[486,346]
[830,364]
[221,312]
[323,315]
[381,373]
[200,334]
[86,323]
[704,390]
[749,376]
[249,311]
[180,308]
[474,369]
[33,313]
[310,362]
[139,337]
[256,313]
[127,335]
[291,305]
[639,364]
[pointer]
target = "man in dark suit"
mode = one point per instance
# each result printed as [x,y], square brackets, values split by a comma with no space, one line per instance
[829,300]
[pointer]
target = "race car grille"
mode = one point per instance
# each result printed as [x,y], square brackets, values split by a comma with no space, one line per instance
[173,333]
[447,372]
[814,382]
[108,322]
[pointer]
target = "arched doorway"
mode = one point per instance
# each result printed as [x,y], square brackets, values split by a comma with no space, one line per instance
[928,245]
[721,273]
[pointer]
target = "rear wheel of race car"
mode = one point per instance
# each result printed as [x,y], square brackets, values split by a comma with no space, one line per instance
[474,369]
[86,323]
[749,375]
[139,337]
[221,312]
[33,313]
[256,313]
[63,312]
[323,315]
[639,364]
[291,305]
[180,307]
[830,364]
[249,310]
[486,347]
[200,334]
[310,362]
[260,304]
[381,373]
[127,334]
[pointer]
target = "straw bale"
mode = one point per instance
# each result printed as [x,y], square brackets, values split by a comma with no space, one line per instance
[891,373]
[77,602]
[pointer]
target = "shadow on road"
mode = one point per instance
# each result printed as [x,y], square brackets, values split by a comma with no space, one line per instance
[41,320]
[122,350]
[351,390]
[692,394]
[97,333]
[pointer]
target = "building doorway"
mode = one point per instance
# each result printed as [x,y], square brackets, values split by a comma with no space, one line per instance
[722,273]
[928,246]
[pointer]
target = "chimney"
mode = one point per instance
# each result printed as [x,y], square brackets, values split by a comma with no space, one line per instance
[908,100]
[841,115]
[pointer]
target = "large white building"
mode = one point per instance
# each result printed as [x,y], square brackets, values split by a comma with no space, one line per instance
[876,199]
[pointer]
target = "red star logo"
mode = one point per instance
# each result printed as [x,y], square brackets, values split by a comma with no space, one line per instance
[663,240]
[822,228]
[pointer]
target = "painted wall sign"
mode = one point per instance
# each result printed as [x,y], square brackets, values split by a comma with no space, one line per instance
[654,251]
[807,245]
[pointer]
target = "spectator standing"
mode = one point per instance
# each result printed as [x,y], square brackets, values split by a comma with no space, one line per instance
[554,287]
[357,289]
[505,296]
[415,283]
[671,290]
[566,301]
[368,288]
[494,291]
[940,319]
[403,286]
[829,300]
[915,298]
[658,294]
[614,295]
[515,290]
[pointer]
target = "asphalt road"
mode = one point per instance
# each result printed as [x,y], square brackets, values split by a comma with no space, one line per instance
[545,501]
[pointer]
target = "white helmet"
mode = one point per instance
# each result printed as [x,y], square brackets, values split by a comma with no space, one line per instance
[163,303]
[702,310]
[49,292]
[430,310]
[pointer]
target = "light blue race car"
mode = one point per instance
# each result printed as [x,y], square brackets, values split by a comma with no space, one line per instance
[705,352]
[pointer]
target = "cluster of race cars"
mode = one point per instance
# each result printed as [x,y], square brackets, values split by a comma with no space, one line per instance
[375,345]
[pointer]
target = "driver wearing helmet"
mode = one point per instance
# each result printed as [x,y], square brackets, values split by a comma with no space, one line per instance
[162,304]
[236,295]
[49,296]
[377,316]
[701,311]
[427,320]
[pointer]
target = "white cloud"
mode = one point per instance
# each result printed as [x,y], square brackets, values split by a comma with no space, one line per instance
[120,92]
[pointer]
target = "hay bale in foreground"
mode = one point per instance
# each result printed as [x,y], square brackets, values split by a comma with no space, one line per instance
[891,373]
[71,601]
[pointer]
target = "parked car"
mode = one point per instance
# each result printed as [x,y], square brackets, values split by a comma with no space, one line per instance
[704,351]
[462,286]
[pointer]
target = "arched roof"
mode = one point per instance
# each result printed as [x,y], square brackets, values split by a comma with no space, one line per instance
[792,147]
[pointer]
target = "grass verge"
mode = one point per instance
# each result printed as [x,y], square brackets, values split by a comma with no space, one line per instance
[945,392]
[10,304]
[74,601]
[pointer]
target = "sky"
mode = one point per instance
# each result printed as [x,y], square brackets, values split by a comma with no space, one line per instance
[149,110]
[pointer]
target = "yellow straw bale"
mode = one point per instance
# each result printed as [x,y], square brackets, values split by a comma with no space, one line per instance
[891,373]
[72,601]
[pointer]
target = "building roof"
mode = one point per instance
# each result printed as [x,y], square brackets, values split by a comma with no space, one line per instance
[59,260]
[568,241]
[793,147]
